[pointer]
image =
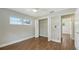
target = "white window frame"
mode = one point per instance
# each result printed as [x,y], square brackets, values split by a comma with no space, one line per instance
[16,21]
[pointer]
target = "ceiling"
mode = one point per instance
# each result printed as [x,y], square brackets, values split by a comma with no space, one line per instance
[41,11]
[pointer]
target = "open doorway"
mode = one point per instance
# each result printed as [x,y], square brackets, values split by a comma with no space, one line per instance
[43,27]
[67,31]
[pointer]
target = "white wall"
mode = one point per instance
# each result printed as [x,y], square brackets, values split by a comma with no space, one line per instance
[11,33]
[43,27]
[56,28]
[77,29]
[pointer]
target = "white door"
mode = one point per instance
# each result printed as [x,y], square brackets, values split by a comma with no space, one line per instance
[77,29]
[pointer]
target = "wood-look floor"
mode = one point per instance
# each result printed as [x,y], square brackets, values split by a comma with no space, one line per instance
[40,43]
[67,42]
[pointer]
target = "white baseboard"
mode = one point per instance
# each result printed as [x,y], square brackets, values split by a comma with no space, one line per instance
[57,41]
[9,43]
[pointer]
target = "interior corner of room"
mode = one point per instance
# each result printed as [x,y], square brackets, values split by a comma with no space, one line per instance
[40,28]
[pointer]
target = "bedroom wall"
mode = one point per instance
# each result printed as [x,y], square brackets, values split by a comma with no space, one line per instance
[13,33]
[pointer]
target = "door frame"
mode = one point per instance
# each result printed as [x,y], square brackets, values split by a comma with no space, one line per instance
[39,25]
[37,28]
[73,23]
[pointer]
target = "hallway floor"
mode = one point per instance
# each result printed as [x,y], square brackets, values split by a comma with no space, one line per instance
[41,43]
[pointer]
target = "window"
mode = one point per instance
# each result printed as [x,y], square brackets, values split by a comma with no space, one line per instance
[26,22]
[19,21]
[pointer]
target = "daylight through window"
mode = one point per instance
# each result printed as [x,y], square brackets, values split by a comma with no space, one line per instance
[19,21]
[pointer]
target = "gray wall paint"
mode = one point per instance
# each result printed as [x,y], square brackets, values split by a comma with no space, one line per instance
[43,28]
[8,32]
